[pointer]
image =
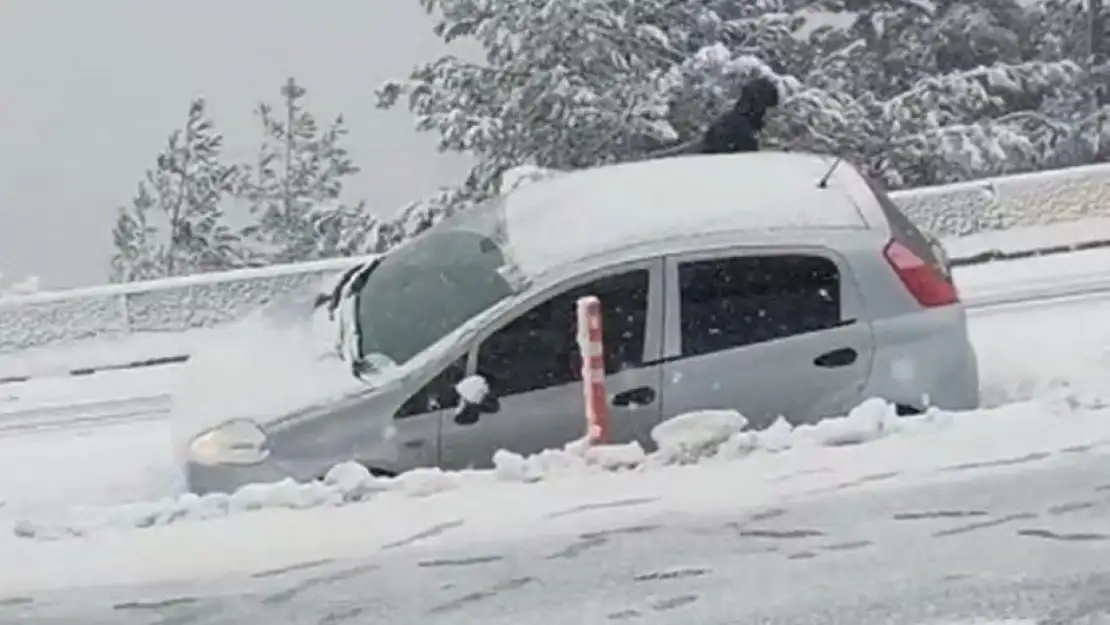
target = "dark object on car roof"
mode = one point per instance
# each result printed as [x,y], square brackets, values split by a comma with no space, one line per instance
[738,129]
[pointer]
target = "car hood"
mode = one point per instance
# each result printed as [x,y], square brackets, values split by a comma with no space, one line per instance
[283,359]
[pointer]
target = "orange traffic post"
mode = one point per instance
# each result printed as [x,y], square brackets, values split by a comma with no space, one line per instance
[592,348]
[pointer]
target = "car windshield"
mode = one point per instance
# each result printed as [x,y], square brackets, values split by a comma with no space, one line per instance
[426,289]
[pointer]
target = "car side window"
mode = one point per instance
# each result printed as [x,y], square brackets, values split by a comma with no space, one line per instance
[732,302]
[539,349]
[438,394]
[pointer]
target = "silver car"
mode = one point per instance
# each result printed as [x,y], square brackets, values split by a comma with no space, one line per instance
[772,283]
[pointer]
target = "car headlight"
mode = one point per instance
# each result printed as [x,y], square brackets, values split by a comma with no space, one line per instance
[239,442]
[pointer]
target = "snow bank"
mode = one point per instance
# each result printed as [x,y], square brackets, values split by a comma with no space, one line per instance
[695,435]
[721,434]
[344,484]
[208,300]
[44,471]
[698,437]
[577,458]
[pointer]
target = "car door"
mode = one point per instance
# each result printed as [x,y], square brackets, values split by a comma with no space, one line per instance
[418,421]
[766,332]
[531,362]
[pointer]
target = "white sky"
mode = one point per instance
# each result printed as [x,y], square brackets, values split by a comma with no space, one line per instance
[91,90]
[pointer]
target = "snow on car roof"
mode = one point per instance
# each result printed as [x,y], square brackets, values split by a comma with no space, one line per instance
[588,212]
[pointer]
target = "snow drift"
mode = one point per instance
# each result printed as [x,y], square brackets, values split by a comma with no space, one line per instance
[693,438]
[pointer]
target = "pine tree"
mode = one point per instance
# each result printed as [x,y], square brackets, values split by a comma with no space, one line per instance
[137,250]
[175,224]
[294,188]
[566,84]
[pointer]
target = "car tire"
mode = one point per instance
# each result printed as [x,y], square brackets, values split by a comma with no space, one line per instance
[379,472]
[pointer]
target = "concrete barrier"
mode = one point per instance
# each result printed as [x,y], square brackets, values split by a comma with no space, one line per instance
[207,300]
[170,305]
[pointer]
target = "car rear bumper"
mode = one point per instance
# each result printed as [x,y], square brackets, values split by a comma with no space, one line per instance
[921,364]
[958,386]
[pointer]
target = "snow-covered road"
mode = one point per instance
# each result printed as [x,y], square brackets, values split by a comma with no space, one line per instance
[936,526]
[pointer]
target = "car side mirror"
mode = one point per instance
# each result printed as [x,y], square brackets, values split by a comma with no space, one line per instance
[475,399]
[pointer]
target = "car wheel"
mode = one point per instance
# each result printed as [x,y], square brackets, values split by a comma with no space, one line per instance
[906,410]
[377,472]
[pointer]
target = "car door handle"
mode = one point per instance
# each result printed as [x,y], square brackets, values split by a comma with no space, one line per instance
[639,396]
[415,443]
[837,358]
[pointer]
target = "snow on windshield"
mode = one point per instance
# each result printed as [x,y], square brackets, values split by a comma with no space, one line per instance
[430,287]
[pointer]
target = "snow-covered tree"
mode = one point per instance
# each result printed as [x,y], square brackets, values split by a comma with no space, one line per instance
[175,224]
[137,255]
[917,91]
[565,84]
[295,185]
[1040,115]
[1071,126]
[416,217]
[1058,29]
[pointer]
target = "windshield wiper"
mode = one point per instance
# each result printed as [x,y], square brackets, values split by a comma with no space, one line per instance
[350,285]
[355,277]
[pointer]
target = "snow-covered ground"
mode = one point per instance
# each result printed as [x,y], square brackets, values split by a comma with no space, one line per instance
[588,543]
[984,544]
[99,386]
[1027,350]
[101,464]
[1033,276]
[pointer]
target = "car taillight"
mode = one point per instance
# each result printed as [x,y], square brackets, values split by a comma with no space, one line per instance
[926,283]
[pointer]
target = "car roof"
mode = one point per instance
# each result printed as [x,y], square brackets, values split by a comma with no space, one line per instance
[595,211]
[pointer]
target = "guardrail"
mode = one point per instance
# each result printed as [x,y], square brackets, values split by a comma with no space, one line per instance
[101,412]
[207,300]
[168,305]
